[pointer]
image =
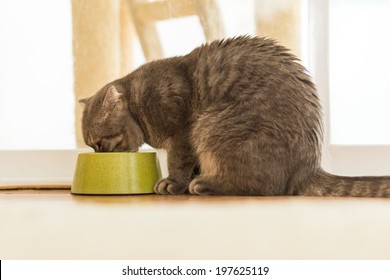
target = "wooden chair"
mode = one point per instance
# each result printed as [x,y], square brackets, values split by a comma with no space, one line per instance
[146,13]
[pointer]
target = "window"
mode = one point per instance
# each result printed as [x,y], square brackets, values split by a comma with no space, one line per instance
[359,60]
[355,143]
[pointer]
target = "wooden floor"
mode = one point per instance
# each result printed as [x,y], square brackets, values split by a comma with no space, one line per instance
[53,224]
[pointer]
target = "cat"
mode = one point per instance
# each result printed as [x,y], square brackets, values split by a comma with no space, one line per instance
[237,116]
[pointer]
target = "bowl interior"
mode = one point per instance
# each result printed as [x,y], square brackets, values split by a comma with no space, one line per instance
[116,173]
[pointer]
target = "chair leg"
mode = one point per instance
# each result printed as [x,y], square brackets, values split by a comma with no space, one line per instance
[210,19]
[147,33]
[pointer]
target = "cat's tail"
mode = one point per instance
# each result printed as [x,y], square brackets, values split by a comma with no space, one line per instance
[325,184]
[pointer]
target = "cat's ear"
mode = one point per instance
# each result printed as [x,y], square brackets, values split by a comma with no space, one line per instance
[112,96]
[83,101]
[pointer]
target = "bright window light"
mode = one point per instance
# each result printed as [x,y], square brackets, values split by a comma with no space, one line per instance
[359,62]
[36,75]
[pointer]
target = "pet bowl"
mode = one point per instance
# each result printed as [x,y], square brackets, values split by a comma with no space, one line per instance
[116,173]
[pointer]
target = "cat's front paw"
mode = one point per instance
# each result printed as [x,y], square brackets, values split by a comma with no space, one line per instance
[168,186]
[200,187]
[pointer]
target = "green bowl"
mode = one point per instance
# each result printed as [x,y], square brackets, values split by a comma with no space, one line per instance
[116,173]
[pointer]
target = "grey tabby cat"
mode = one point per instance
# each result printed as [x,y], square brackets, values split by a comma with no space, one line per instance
[237,116]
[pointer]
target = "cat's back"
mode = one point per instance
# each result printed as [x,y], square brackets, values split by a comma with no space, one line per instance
[237,50]
[248,63]
[257,76]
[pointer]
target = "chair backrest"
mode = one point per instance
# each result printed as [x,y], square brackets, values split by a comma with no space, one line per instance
[146,13]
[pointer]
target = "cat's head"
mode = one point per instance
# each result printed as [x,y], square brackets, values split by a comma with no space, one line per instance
[108,125]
